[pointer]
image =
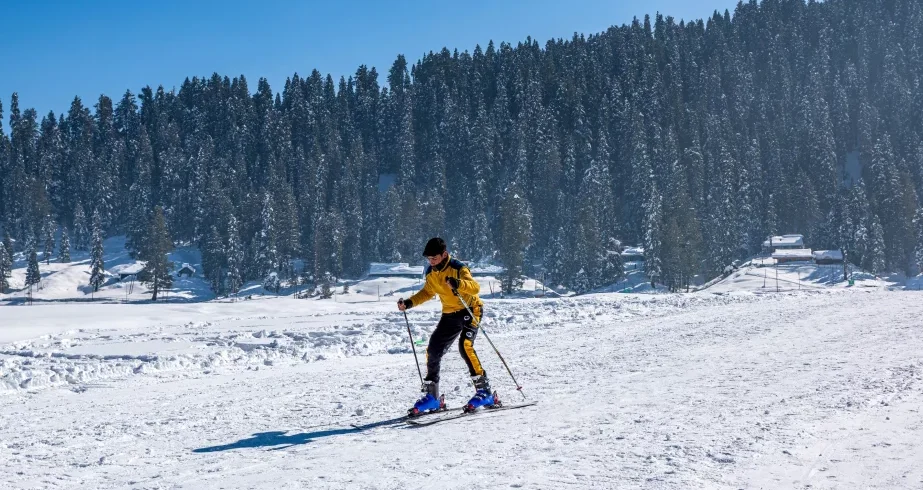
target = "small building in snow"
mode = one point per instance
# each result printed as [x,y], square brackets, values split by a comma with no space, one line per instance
[783,242]
[482,270]
[822,257]
[398,269]
[783,256]
[633,254]
[124,271]
[186,270]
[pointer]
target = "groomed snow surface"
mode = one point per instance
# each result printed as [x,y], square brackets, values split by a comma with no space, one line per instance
[819,388]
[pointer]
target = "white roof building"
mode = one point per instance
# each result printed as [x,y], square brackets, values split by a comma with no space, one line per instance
[793,254]
[785,241]
[828,255]
[632,253]
[394,269]
[486,269]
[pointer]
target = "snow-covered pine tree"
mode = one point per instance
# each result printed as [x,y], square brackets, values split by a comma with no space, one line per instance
[515,234]
[854,231]
[235,257]
[8,244]
[391,224]
[612,267]
[681,233]
[48,230]
[108,157]
[139,205]
[918,251]
[874,259]
[64,253]
[267,254]
[287,232]
[328,246]
[78,138]
[30,243]
[4,270]
[6,258]
[157,272]
[554,260]
[33,275]
[214,260]
[81,230]
[97,264]
[885,185]
[653,235]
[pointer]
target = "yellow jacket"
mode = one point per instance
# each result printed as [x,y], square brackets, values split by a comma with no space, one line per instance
[435,284]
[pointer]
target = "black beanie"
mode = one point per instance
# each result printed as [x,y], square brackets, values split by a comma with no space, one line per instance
[434,246]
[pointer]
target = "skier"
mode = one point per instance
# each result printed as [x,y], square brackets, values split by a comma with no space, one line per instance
[450,279]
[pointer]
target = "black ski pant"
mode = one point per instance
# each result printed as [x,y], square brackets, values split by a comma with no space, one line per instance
[452,325]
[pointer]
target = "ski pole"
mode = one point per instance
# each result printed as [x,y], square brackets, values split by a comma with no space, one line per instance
[518,387]
[412,346]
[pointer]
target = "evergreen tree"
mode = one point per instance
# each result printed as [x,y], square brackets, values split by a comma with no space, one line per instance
[265,241]
[287,232]
[64,254]
[653,236]
[328,246]
[157,271]
[48,229]
[555,260]
[8,244]
[6,258]
[140,196]
[81,230]
[30,244]
[874,256]
[97,264]
[33,275]
[214,260]
[4,269]
[516,231]
[612,266]
[235,258]
[918,251]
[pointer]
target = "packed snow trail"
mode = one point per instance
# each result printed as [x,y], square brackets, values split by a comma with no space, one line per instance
[677,391]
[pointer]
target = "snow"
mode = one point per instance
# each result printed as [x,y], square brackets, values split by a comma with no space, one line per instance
[699,390]
[70,281]
[753,382]
[764,276]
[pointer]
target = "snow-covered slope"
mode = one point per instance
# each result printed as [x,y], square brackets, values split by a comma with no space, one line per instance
[758,276]
[818,388]
[70,281]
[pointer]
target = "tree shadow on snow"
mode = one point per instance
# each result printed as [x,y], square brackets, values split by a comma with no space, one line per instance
[284,441]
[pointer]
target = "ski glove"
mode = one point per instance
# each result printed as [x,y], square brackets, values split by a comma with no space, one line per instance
[453,283]
[405,302]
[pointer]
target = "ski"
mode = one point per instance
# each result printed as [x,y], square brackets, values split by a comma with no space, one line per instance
[453,416]
[406,418]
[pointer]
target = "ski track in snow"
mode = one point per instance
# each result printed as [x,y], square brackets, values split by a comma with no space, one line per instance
[792,390]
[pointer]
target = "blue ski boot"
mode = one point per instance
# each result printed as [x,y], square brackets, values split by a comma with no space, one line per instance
[430,402]
[484,397]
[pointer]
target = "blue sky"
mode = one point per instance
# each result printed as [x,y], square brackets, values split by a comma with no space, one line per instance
[54,50]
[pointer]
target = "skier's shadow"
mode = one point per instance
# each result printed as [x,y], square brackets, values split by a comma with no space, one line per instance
[276,440]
